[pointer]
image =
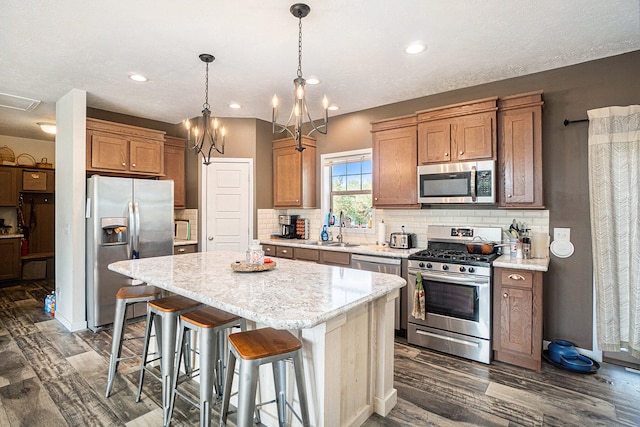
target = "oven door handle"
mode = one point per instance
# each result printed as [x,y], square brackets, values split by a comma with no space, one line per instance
[454,279]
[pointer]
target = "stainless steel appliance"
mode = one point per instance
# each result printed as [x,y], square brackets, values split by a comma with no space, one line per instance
[464,182]
[387,265]
[126,218]
[457,287]
[402,240]
[288,226]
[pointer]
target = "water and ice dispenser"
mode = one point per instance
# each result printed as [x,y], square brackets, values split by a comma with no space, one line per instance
[114,231]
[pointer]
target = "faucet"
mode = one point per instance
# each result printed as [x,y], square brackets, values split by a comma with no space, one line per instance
[340,237]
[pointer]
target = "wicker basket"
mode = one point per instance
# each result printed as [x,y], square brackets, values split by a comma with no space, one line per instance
[7,157]
[44,164]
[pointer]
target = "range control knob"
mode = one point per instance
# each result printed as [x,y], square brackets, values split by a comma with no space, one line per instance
[462,269]
[445,267]
[429,265]
[421,265]
[471,269]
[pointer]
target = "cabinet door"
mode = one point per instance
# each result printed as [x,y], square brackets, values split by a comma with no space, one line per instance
[9,259]
[174,158]
[9,187]
[109,152]
[473,137]
[146,156]
[516,307]
[434,142]
[287,178]
[395,164]
[185,249]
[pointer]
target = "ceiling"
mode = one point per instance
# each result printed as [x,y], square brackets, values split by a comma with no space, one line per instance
[355,47]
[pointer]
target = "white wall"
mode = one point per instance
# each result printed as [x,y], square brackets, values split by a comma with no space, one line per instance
[38,149]
[70,203]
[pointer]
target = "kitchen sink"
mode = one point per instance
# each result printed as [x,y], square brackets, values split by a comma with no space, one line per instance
[339,244]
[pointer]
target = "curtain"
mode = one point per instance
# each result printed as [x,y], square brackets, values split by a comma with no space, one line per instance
[614,188]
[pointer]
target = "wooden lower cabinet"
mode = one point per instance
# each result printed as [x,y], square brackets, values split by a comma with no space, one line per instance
[517,317]
[185,249]
[10,258]
[335,258]
[305,254]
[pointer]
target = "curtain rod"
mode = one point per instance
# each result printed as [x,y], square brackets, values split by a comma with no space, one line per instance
[568,122]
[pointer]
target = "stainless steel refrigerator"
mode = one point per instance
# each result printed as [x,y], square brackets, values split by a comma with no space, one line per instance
[126,218]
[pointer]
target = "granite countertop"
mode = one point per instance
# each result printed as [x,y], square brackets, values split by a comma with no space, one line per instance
[536,264]
[11,236]
[180,242]
[364,249]
[294,295]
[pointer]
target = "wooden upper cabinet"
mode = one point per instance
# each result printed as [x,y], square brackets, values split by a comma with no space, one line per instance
[395,164]
[174,168]
[294,174]
[9,186]
[118,149]
[520,151]
[457,133]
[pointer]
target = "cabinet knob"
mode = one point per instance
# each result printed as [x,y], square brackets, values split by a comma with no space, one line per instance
[505,295]
[508,196]
[297,201]
[375,198]
[461,153]
[446,154]
[284,251]
[134,165]
[124,164]
[210,238]
[181,250]
[516,277]
[267,249]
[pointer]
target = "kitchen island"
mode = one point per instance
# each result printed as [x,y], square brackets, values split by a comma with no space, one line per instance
[344,317]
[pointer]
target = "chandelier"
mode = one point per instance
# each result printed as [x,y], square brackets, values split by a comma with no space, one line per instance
[206,136]
[299,110]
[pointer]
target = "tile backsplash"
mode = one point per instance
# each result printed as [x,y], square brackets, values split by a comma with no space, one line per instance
[414,220]
[192,216]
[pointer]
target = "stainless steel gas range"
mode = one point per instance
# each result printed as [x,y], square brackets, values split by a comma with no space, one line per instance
[457,293]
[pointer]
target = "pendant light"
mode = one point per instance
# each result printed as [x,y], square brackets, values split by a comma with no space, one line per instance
[207,138]
[299,111]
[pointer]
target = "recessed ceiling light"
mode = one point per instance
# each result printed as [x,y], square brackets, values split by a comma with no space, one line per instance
[333,107]
[48,127]
[415,48]
[235,105]
[138,78]
[313,81]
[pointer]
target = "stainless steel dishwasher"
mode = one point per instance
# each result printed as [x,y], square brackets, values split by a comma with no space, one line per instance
[380,264]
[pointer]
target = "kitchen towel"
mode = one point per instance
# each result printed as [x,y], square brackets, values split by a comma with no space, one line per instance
[419,303]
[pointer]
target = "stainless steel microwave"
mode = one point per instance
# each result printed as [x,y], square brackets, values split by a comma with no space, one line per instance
[464,182]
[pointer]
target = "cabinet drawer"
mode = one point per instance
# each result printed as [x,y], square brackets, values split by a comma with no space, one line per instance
[336,258]
[269,250]
[307,254]
[519,278]
[184,249]
[284,252]
[34,180]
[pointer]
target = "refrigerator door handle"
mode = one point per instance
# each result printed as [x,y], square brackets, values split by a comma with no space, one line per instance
[130,247]
[136,242]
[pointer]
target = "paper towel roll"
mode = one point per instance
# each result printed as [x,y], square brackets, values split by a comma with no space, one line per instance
[382,233]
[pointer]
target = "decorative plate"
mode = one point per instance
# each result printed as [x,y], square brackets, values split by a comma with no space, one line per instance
[242,267]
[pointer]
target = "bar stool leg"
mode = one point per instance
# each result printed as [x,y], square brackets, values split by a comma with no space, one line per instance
[145,351]
[116,343]
[298,368]
[208,347]
[169,327]
[247,392]
[226,396]
[280,381]
[176,372]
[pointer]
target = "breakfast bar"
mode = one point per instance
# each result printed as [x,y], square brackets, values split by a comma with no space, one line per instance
[344,318]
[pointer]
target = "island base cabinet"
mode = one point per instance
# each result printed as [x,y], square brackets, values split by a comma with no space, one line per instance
[517,317]
[348,363]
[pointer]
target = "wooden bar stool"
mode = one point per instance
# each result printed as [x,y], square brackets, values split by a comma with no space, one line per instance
[125,297]
[212,325]
[255,348]
[169,309]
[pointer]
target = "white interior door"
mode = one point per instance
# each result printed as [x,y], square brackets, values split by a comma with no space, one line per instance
[227,205]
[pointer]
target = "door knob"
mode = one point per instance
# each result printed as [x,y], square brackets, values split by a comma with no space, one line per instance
[210,238]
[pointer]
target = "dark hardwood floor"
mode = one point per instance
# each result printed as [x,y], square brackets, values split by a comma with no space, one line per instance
[49,376]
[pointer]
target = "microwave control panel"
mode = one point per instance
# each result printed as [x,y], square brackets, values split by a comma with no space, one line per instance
[483,184]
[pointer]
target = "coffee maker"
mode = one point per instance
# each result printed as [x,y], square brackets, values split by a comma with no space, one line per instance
[288,226]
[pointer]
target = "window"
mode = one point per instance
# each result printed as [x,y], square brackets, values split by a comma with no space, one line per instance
[348,187]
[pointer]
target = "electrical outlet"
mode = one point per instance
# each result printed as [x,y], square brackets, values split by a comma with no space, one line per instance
[562,234]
